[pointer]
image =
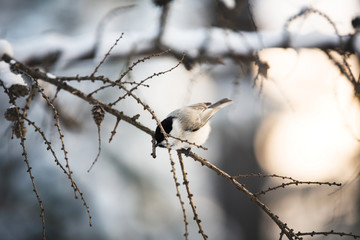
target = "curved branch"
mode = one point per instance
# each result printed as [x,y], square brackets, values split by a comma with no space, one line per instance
[283,226]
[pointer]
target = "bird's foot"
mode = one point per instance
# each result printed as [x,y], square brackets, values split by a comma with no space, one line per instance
[187,151]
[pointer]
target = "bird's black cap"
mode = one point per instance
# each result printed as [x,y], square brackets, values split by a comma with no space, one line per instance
[167,125]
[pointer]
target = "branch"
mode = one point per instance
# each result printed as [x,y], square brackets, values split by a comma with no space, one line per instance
[58,82]
[20,132]
[332,232]
[220,43]
[190,197]
[283,185]
[283,227]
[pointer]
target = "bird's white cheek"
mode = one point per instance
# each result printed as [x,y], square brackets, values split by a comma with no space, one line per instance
[176,129]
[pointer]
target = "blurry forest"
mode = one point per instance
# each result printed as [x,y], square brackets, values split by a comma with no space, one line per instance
[77,159]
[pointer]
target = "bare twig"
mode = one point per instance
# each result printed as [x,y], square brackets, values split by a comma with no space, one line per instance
[59,82]
[55,96]
[144,80]
[61,136]
[99,149]
[283,185]
[344,67]
[113,132]
[332,232]
[190,196]
[21,133]
[29,99]
[178,195]
[98,114]
[141,60]
[26,160]
[283,227]
[106,55]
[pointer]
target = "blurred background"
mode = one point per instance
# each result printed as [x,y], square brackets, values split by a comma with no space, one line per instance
[299,120]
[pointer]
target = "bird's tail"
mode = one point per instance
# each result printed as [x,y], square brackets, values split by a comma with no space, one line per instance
[214,108]
[220,104]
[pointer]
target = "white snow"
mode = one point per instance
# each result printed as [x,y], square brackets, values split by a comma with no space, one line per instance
[50,75]
[189,40]
[9,78]
[215,42]
[5,48]
[40,46]
[230,4]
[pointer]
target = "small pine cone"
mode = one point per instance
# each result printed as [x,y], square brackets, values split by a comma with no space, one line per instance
[19,129]
[11,114]
[98,113]
[19,90]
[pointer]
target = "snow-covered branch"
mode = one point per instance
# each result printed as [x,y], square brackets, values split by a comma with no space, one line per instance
[206,44]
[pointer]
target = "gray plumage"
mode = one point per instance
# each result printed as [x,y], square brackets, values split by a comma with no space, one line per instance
[195,116]
[190,124]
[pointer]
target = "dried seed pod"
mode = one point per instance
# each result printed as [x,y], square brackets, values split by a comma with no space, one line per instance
[11,114]
[98,113]
[19,129]
[19,90]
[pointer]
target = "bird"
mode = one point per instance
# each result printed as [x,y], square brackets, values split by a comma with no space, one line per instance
[189,125]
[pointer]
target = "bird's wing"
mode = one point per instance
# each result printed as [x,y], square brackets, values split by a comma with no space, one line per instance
[212,109]
[197,115]
[200,106]
[191,116]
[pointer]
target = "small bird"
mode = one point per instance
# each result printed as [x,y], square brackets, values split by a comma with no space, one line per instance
[189,123]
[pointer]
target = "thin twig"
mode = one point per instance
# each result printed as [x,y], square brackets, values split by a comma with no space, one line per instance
[55,96]
[141,60]
[283,227]
[190,196]
[49,147]
[113,132]
[332,232]
[344,67]
[283,185]
[99,150]
[26,160]
[106,55]
[178,195]
[29,99]
[144,80]
[61,136]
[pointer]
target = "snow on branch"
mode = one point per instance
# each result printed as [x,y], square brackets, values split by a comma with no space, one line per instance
[203,43]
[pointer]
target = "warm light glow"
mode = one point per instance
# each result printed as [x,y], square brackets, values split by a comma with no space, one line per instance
[313,136]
